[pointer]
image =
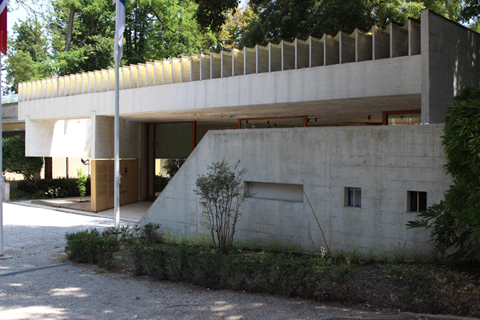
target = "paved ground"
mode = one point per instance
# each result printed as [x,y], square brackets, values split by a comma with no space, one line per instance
[34,237]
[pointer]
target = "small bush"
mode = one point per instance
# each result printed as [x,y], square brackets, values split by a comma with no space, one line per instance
[91,246]
[160,183]
[222,193]
[82,180]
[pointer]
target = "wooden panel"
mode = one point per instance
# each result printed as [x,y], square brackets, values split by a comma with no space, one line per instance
[102,183]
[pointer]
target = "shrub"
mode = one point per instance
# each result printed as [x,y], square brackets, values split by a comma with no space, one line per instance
[222,193]
[52,188]
[173,165]
[91,246]
[160,183]
[454,222]
[82,180]
[14,159]
[260,272]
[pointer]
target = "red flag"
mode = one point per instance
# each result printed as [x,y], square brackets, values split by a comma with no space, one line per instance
[3,26]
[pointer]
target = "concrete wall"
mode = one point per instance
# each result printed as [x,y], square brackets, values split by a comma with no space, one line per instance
[58,138]
[130,138]
[10,113]
[385,162]
[83,138]
[450,60]
[389,77]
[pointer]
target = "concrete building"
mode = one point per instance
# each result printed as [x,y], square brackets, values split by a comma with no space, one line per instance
[53,167]
[318,106]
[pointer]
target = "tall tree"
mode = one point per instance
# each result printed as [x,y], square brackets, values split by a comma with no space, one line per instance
[82,34]
[27,57]
[287,19]
[172,30]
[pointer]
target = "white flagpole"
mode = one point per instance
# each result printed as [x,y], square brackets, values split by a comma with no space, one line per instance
[1,164]
[117,123]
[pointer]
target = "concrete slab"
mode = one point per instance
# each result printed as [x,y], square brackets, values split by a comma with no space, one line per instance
[132,212]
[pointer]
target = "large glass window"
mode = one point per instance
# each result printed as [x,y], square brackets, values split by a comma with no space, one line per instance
[169,144]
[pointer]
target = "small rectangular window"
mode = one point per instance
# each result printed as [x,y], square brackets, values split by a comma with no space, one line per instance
[353,197]
[417,201]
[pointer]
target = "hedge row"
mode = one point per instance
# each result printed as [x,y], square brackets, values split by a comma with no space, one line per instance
[52,188]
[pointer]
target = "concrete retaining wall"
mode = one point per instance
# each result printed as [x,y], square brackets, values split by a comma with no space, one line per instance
[385,162]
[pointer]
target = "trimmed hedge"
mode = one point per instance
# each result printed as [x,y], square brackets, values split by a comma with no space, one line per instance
[52,188]
[305,276]
[430,288]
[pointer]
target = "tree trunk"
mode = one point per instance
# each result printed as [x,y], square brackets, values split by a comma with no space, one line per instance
[68,41]
[88,33]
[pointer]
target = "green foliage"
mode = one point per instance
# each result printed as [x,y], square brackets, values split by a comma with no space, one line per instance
[436,290]
[160,183]
[371,256]
[384,256]
[262,272]
[355,255]
[14,159]
[287,19]
[91,246]
[454,223]
[213,14]
[222,193]
[399,253]
[82,180]
[173,165]
[419,288]
[51,188]
[27,57]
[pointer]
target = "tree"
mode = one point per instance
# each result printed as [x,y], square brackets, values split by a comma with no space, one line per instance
[14,159]
[173,165]
[455,222]
[222,193]
[82,34]
[287,19]
[27,57]
[163,29]
[213,14]
[235,25]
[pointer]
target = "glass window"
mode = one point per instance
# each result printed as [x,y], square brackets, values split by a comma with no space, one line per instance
[353,197]
[417,201]
[403,118]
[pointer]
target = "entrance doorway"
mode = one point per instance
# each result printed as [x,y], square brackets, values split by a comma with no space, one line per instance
[168,145]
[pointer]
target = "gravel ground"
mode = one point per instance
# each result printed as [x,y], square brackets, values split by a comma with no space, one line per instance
[34,237]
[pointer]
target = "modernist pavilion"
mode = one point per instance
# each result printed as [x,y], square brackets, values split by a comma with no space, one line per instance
[324,113]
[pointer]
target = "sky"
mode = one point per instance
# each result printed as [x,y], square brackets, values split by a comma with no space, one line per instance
[15,15]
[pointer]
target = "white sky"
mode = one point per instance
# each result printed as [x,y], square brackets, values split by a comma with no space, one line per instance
[14,16]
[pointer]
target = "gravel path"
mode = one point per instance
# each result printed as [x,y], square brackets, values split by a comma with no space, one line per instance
[34,237]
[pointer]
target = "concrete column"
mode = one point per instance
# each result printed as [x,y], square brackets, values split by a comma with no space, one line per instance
[450,61]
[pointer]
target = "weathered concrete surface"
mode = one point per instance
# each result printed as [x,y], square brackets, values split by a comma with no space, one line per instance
[251,94]
[450,60]
[87,138]
[385,162]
